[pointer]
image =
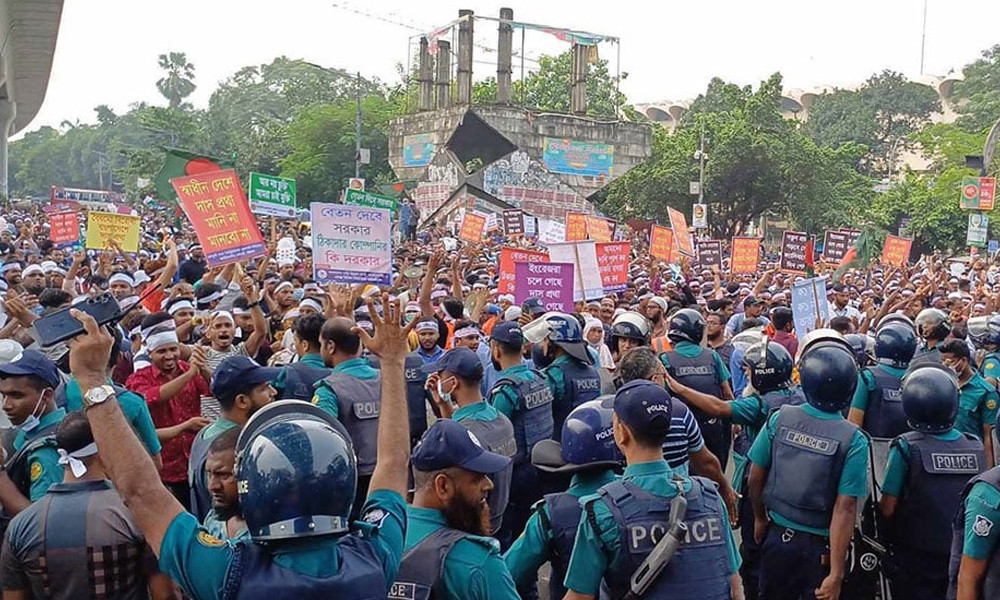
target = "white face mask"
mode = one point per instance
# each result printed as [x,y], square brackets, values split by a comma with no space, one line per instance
[445,396]
[32,422]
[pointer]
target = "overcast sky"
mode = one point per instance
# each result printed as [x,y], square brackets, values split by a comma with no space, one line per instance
[107,49]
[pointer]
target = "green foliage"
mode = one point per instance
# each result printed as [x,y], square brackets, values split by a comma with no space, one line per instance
[178,80]
[980,92]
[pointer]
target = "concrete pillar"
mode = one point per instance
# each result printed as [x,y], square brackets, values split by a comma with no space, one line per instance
[425,77]
[442,81]
[464,71]
[578,80]
[8,110]
[505,42]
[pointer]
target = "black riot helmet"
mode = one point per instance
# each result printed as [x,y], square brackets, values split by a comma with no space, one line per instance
[686,325]
[895,344]
[930,399]
[933,324]
[770,366]
[828,370]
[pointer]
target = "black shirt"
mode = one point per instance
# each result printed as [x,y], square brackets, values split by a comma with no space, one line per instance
[192,271]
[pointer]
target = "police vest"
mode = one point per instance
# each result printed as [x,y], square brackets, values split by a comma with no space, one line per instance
[991,582]
[496,436]
[359,402]
[698,373]
[807,458]
[253,575]
[582,383]
[769,403]
[938,471]
[884,417]
[18,469]
[562,520]
[421,570]
[533,417]
[699,570]
[300,381]
[201,499]
[416,395]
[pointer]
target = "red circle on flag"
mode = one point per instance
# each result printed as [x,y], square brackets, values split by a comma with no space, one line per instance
[196,166]
[970,191]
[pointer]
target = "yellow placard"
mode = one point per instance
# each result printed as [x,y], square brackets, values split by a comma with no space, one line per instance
[102,228]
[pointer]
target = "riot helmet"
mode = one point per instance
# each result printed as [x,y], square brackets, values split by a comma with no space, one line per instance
[933,324]
[930,399]
[770,366]
[587,441]
[828,371]
[895,344]
[561,329]
[686,325]
[630,325]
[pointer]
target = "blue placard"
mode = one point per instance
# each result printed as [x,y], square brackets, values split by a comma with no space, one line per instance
[804,299]
[994,246]
[572,157]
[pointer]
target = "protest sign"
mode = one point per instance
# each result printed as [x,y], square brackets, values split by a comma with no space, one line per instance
[598,229]
[363,198]
[852,235]
[553,232]
[513,222]
[351,244]
[896,251]
[285,250]
[661,242]
[64,228]
[682,236]
[530,226]
[576,227]
[793,251]
[492,222]
[549,282]
[218,210]
[699,216]
[835,246]
[509,256]
[709,254]
[977,235]
[272,196]
[103,228]
[473,226]
[809,303]
[612,260]
[587,283]
[746,253]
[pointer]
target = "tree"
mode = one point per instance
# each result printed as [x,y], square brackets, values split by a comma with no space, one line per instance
[978,94]
[178,82]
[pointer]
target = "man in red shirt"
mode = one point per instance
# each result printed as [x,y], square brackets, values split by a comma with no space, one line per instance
[784,329]
[173,390]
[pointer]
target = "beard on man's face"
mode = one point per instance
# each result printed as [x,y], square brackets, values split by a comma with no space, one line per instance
[224,512]
[468,515]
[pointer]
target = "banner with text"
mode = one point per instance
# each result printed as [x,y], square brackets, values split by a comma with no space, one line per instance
[709,254]
[513,222]
[587,283]
[351,244]
[103,228]
[64,228]
[598,229]
[809,303]
[549,282]
[272,196]
[362,198]
[473,226]
[793,251]
[661,242]
[682,235]
[896,251]
[835,246]
[218,210]
[509,256]
[576,227]
[746,254]
[612,260]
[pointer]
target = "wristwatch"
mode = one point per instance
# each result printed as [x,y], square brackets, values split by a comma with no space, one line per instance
[97,395]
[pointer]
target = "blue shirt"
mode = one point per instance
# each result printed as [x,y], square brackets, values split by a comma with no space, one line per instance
[432,357]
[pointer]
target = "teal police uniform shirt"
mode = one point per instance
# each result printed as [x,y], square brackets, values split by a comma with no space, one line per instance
[977,406]
[982,514]
[899,462]
[853,479]
[531,549]
[990,366]
[310,360]
[866,384]
[42,463]
[473,570]
[750,412]
[555,378]
[479,411]
[503,397]
[199,561]
[595,551]
[326,399]
[689,350]
[133,407]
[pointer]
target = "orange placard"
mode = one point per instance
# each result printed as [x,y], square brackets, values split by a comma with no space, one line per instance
[215,204]
[64,228]
[598,229]
[612,260]
[509,256]
[661,242]
[576,227]
[473,225]
[896,251]
[682,236]
[746,252]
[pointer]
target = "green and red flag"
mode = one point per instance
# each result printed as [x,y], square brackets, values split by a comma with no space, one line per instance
[857,256]
[178,163]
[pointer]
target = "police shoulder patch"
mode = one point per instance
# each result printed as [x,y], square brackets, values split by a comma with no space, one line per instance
[990,365]
[982,526]
[207,539]
[375,516]
[36,471]
[991,403]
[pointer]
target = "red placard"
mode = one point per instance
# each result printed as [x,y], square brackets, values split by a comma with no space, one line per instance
[509,256]
[64,228]
[217,208]
[987,192]
[473,225]
[612,260]
[682,236]
[598,229]
[661,242]
[746,252]
[896,251]
[576,227]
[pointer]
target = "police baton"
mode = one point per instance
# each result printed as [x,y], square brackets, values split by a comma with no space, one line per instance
[658,559]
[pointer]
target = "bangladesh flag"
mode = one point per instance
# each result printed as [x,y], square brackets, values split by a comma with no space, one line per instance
[179,163]
[858,256]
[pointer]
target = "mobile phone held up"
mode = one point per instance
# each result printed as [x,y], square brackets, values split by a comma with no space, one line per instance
[61,326]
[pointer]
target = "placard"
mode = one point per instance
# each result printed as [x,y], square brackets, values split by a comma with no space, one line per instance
[64,228]
[218,210]
[587,283]
[549,282]
[351,244]
[699,216]
[103,228]
[509,256]
[852,235]
[793,251]
[977,233]
[492,222]
[598,229]
[473,226]
[709,254]
[661,242]
[272,196]
[896,251]
[554,232]
[363,198]
[513,222]
[809,302]
[612,260]
[576,227]
[682,236]
[835,246]
[746,254]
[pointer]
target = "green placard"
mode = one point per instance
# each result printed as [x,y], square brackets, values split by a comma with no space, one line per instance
[970,193]
[272,196]
[371,200]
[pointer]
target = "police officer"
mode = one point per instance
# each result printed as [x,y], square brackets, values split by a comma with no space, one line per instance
[989,367]
[621,525]
[977,399]
[974,567]
[769,369]
[932,326]
[298,380]
[877,407]
[702,370]
[296,474]
[629,330]
[454,382]
[242,387]
[928,468]
[522,395]
[567,365]
[448,554]
[809,467]
[351,394]
[588,452]
[418,398]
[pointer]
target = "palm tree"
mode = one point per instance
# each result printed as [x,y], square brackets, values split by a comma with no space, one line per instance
[178,83]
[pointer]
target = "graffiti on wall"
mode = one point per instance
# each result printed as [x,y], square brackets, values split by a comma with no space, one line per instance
[522,182]
[442,179]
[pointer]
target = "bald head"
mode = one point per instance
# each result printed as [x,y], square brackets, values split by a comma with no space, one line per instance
[337,332]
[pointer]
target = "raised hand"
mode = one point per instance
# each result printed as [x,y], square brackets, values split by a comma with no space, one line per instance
[390,342]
